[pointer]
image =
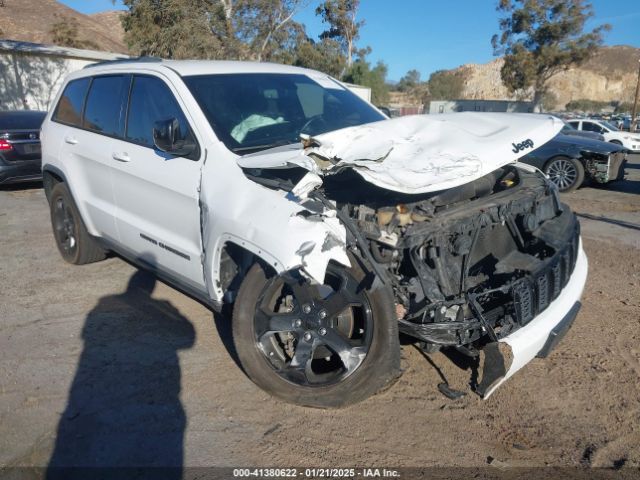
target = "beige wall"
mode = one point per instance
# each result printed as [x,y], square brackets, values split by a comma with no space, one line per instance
[32,81]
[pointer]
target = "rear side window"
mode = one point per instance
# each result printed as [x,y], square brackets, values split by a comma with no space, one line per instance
[69,108]
[151,100]
[105,109]
[592,127]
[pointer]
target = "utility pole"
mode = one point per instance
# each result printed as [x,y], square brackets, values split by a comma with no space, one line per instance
[632,125]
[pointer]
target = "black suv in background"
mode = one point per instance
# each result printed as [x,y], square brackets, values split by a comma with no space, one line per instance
[20,146]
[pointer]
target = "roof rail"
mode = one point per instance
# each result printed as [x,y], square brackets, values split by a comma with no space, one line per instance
[125,60]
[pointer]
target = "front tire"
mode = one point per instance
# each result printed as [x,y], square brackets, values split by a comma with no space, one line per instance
[72,239]
[318,346]
[566,173]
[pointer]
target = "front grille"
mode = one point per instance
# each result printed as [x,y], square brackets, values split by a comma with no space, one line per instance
[531,295]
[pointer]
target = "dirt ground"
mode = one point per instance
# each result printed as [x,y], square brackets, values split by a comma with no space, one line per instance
[92,366]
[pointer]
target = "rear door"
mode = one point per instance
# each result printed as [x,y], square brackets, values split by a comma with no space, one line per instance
[575,124]
[93,110]
[593,127]
[157,194]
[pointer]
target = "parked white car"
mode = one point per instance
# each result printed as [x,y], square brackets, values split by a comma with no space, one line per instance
[611,133]
[328,226]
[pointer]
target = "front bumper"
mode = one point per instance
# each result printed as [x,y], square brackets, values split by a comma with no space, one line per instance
[539,336]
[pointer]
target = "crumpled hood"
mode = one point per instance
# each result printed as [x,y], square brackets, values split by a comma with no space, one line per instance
[420,153]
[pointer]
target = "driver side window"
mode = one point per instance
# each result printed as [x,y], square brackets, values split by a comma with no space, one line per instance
[151,101]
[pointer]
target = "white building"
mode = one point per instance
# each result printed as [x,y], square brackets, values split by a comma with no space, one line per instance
[31,73]
[451,106]
[363,92]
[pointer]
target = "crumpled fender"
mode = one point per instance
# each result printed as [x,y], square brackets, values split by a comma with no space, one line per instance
[269,223]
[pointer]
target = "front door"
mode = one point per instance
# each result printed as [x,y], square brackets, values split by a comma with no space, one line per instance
[157,194]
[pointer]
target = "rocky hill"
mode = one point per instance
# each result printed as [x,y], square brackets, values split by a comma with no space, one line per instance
[111,20]
[611,75]
[31,20]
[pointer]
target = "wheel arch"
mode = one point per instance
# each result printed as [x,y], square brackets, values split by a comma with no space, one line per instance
[50,177]
[231,262]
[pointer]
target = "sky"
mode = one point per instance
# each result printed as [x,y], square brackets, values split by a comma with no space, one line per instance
[430,35]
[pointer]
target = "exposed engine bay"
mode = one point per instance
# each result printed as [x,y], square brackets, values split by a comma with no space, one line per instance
[467,265]
[477,250]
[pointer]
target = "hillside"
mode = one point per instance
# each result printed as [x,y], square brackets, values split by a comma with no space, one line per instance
[111,21]
[31,20]
[611,75]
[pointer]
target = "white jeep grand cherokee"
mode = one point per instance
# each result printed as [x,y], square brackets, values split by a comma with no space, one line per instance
[330,228]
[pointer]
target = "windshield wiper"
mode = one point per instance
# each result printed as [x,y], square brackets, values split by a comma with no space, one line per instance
[279,143]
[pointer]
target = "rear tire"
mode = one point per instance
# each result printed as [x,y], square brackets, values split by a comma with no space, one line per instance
[297,360]
[72,239]
[566,173]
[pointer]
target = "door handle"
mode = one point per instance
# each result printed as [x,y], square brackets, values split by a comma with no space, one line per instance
[121,157]
[71,140]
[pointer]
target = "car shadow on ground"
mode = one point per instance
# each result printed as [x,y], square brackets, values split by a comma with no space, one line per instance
[14,187]
[124,409]
[224,326]
[622,186]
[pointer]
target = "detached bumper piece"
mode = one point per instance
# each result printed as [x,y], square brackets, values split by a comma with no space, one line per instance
[559,331]
[539,336]
[498,356]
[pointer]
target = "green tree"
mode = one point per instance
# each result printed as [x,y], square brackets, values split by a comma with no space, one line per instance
[340,16]
[541,38]
[213,29]
[361,73]
[64,32]
[446,85]
[409,81]
[267,26]
[180,29]
[324,55]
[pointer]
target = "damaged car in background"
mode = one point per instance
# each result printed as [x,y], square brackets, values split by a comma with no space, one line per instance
[570,161]
[329,228]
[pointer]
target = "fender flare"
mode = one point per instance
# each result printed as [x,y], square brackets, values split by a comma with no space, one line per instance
[56,173]
[251,249]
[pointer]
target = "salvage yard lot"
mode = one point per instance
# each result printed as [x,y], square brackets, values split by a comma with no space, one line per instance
[93,366]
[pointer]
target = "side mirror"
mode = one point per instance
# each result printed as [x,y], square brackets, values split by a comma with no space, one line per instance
[168,137]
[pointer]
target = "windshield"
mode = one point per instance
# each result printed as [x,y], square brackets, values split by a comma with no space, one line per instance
[609,126]
[255,111]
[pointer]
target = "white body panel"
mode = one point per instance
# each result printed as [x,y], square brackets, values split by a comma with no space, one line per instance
[87,158]
[157,197]
[262,221]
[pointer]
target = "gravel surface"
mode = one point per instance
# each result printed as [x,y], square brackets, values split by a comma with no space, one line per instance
[96,368]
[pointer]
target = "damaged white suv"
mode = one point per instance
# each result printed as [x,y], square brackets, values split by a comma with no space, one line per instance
[330,228]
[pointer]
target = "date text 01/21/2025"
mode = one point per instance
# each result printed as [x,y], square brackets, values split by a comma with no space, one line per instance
[315,473]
